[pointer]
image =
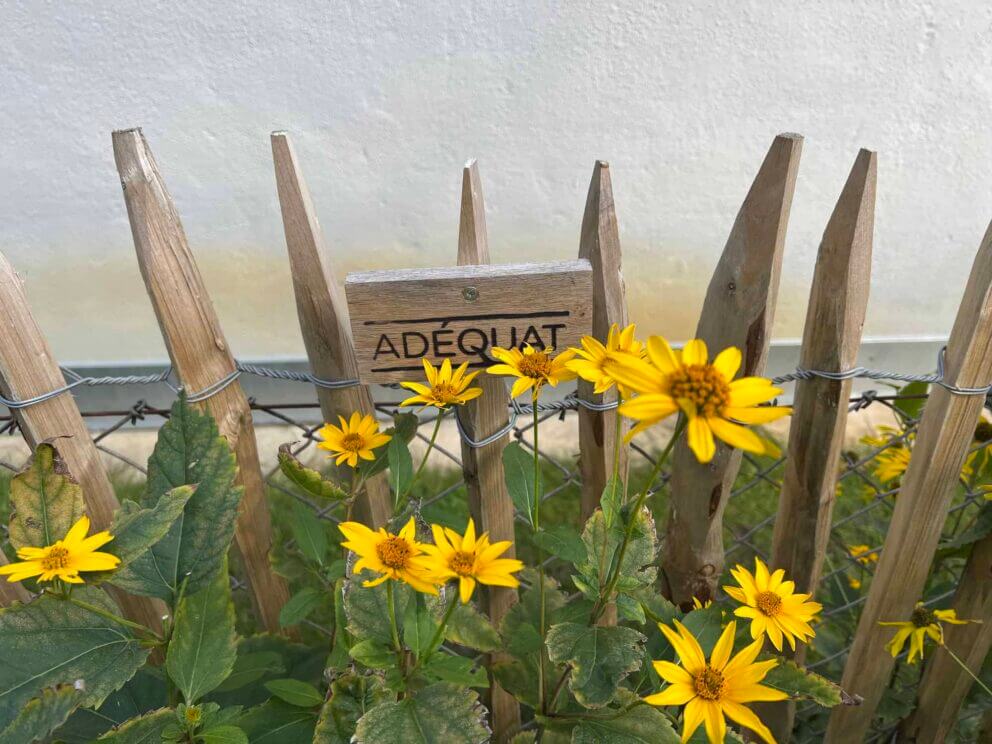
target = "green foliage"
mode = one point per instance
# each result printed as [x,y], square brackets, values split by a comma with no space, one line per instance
[351,697]
[308,479]
[277,722]
[442,712]
[789,677]
[202,651]
[143,729]
[400,466]
[603,551]
[309,534]
[911,400]
[367,610]
[563,541]
[299,606]
[189,451]
[223,735]
[143,693]
[43,714]
[518,468]
[418,625]
[295,692]
[468,627]
[600,657]
[57,642]
[637,724]
[46,500]
[611,500]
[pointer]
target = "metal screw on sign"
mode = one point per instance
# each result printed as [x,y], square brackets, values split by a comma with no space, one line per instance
[471,294]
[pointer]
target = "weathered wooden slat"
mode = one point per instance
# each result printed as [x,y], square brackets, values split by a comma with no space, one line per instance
[738,311]
[323,315]
[831,337]
[945,684]
[945,432]
[199,352]
[28,369]
[600,244]
[488,500]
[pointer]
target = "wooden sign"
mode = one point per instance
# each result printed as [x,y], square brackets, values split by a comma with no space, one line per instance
[400,317]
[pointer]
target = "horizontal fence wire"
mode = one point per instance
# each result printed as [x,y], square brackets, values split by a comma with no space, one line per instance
[864,503]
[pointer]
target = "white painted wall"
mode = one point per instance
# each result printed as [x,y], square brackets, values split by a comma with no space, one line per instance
[387,99]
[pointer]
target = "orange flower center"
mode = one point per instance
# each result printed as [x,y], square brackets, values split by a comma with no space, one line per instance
[536,365]
[461,562]
[394,552]
[56,558]
[353,442]
[769,603]
[444,393]
[703,385]
[922,617]
[709,685]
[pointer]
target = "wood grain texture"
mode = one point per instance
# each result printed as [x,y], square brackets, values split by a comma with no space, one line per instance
[831,337]
[460,313]
[738,311]
[28,369]
[323,315]
[600,245]
[489,502]
[945,432]
[945,685]
[199,352]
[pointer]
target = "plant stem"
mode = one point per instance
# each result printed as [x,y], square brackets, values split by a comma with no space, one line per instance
[540,554]
[391,608]
[430,446]
[968,670]
[439,633]
[114,618]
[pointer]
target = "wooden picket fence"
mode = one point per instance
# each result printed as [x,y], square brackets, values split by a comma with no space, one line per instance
[738,310]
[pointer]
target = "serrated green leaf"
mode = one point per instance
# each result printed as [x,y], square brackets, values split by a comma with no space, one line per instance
[299,606]
[611,500]
[57,642]
[372,654]
[798,682]
[600,657]
[276,722]
[189,451]
[563,541]
[295,692]
[630,608]
[309,533]
[222,735]
[350,698]
[418,625]
[603,550]
[146,729]
[309,480]
[400,466]
[43,714]
[518,469]
[441,712]
[367,610]
[251,667]
[45,500]
[468,627]
[459,670]
[202,650]
[640,724]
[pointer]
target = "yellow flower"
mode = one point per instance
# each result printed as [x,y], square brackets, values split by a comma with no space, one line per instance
[922,623]
[398,557]
[590,364]
[772,605]
[354,439]
[697,605]
[711,690]
[706,393]
[854,583]
[443,387]
[533,367]
[65,558]
[863,554]
[890,464]
[469,560]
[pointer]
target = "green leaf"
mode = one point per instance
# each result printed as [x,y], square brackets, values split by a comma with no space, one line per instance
[611,500]
[418,625]
[400,465]
[56,642]
[912,406]
[251,667]
[294,660]
[603,550]
[350,698]
[202,650]
[295,692]
[705,625]
[309,533]
[367,610]
[468,627]
[309,480]
[405,426]
[457,669]
[630,608]
[146,729]
[640,724]
[793,679]
[563,541]
[136,530]
[518,468]
[372,654]
[143,693]
[299,606]
[276,722]
[442,712]
[222,735]
[600,658]
[45,500]
[43,714]
[189,451]
[341,641]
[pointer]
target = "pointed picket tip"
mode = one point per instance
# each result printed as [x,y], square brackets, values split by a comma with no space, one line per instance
[852,221]
[473,240]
